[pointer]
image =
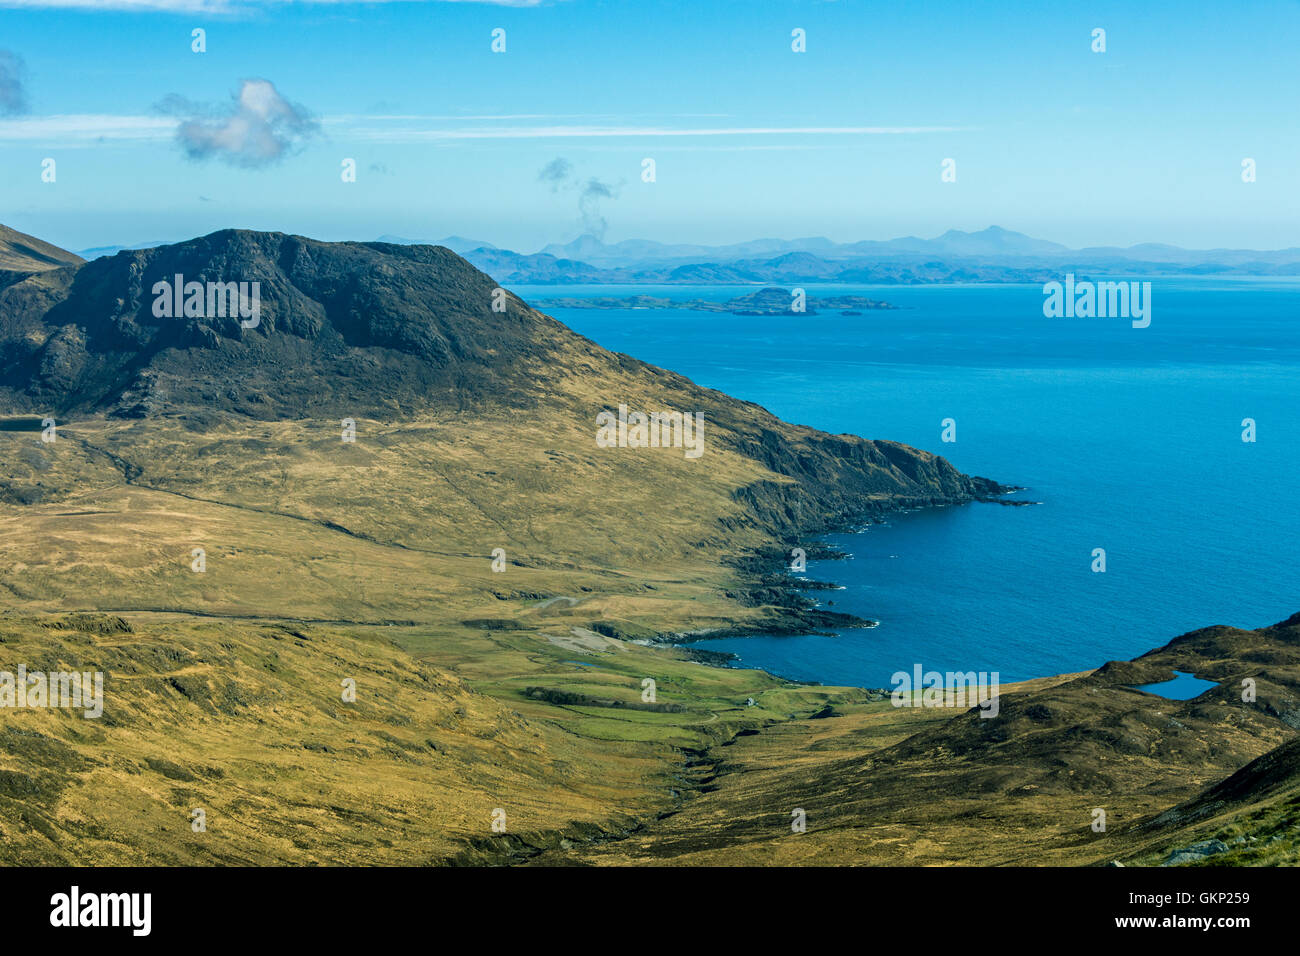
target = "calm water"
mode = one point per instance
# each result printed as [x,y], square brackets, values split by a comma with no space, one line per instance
[1184,686]
[1131,438]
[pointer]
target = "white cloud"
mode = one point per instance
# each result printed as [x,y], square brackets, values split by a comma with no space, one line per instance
[257,129]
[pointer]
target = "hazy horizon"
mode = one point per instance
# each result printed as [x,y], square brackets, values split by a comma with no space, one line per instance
[546,141]
[614,241]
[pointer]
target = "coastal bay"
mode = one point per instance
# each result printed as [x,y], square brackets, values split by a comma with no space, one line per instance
[1131,439]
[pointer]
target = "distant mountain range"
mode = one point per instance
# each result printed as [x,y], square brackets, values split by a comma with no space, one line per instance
[457,244]
[990,255]
[993,241]
[99,252]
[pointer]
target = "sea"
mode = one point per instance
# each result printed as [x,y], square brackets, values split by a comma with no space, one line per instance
[1130,439]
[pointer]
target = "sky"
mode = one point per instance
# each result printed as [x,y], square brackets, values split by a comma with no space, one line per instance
[544,142]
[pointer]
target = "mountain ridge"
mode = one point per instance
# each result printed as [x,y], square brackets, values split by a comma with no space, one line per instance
[993,254]
[22,256]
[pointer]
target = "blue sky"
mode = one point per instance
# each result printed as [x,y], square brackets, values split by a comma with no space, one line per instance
[1141,143]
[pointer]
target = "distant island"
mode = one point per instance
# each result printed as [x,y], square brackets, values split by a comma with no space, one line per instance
[769,301]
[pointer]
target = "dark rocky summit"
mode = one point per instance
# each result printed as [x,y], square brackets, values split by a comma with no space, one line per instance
[344,327]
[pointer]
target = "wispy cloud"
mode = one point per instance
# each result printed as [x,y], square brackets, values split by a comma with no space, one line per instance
[258,128]
[13,97]
[559,174]
[86,129]
[556,173]
[590,199]
[90,129]
[415,133]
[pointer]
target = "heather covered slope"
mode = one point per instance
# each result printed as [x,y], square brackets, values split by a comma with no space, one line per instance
[475,430]
[20,252]
[33,276]
[1250,819]
[886,785]
[370,330]
[515,687]
[247,722]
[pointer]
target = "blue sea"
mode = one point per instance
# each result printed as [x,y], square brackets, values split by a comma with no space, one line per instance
[1130,438]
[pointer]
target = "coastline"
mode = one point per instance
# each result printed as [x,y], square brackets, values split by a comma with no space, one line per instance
[769,583]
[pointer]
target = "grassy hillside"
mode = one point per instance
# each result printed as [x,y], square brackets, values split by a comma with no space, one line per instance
[20,253]
[247,723]
[479,687]
[475,430]
[886,785]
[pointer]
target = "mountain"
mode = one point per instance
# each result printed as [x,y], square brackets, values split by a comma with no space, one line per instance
[993,254]
[99,252]
[511,267]
[400,334]
[589,247]
[545,269]
[388,487]
[385,481]
[348,326]
[21,253]
[342,329]
[989,255]
[34,270]
[457,244]
[640,251]
[993,241]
